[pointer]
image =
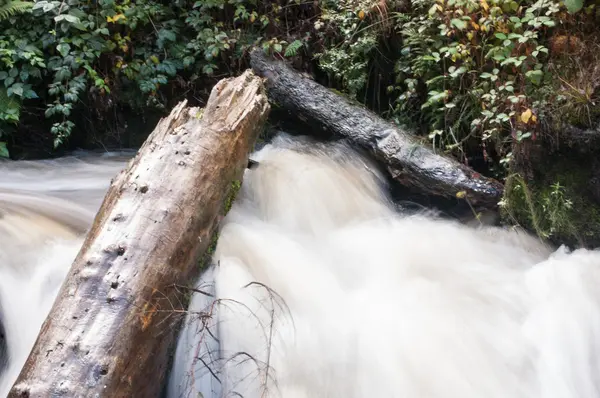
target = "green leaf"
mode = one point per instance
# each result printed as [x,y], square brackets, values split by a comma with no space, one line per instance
[458,72]
[535,76]
[16,89]
[66,17]
[3,150]
[63,49]
[574,6]
[166,34]
[458,23]
[501,36]
[29,94]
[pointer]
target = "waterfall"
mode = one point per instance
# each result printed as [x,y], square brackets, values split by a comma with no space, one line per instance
[321,287]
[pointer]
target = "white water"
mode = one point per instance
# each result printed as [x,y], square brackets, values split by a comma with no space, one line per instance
[361,301]
[45,207]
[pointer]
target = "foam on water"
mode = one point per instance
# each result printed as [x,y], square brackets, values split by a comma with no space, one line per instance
[45,207]
[320,288]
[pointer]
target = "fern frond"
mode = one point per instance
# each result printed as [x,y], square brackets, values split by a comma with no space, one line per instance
[14,7]
[293,47]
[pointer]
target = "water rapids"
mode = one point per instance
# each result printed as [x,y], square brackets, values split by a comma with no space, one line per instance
[320,287]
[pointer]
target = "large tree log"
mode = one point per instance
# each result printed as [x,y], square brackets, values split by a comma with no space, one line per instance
[107,335]
[399,151]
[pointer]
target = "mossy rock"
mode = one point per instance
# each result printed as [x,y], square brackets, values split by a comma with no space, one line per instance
[555,195]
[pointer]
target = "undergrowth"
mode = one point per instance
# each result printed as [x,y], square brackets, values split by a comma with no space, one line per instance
[472,75]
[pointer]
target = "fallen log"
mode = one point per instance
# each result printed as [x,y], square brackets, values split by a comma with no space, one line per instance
[405,159]
[108,333]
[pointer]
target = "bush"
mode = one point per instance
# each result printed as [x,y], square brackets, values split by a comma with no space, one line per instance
[474,76]
[65,55]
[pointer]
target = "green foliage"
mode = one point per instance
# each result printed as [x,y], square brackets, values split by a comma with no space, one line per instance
[574,5]
[10,8]
[470,73]
[548,211]
[72,54]
[482,65]
[347,55]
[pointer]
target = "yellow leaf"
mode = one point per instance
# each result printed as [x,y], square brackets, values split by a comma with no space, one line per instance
[154,59]
[461,194]
[474,25]
[525,116]
[115,18]
[361,15]
[533,118]
[484,5]
[252,18]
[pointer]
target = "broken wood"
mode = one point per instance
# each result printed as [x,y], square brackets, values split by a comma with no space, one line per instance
[399,151]
[109,333]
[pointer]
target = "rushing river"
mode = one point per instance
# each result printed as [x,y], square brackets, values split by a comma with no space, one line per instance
[321,288]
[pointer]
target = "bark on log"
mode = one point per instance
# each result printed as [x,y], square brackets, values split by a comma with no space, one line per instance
[405,159]
[108,333]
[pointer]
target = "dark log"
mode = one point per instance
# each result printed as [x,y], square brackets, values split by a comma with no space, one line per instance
[399,151]
[110,330]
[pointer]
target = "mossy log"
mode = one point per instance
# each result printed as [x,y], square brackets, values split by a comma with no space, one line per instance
[399,151]
[109,331]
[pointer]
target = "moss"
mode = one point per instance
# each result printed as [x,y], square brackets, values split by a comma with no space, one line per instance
[233,191]
[557,207]
[207,256]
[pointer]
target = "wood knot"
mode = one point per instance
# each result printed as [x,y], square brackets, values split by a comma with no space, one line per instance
[117,250]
